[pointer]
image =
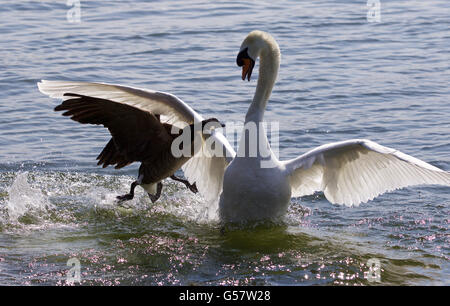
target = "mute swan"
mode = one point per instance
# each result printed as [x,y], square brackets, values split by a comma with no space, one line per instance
[348,172]
[129,143]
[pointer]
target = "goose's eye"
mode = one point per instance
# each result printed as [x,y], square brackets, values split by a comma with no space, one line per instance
[246,62]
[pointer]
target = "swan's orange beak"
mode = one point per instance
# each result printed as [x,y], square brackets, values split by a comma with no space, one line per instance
[247,68]
[246,62]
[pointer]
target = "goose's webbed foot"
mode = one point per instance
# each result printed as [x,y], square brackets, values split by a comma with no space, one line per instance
[191,187]
[155,197]
[128,196]
[125,197]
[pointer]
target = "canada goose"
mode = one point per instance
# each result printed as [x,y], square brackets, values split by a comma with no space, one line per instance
[137,135]
[347,172]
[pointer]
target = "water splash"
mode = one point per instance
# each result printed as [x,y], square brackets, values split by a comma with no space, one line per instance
[58,198]
[25,200]
[182,203]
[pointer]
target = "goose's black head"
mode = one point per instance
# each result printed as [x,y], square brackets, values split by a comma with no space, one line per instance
[212,123]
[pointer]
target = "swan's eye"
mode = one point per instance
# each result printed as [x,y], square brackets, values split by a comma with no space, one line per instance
[246,62]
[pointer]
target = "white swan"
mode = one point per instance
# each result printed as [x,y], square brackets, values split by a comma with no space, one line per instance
[348,172]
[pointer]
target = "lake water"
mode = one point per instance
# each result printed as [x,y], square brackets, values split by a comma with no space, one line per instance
[341,77]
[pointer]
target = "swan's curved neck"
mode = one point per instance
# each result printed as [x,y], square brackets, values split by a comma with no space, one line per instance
[269,62]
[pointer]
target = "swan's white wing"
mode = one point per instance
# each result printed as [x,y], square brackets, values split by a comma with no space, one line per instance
[355,171]
[203,169]
[207,169]
[176,111]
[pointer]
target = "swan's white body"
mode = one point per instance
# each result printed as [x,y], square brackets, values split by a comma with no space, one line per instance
[257,188]
[348,172]
[254,193]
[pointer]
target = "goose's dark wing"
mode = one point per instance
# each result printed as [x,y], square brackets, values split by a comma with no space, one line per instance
[137,135]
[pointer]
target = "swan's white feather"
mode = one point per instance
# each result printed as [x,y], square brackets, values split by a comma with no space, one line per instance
[356,171]
[203,169]
[174,110]
[207,170]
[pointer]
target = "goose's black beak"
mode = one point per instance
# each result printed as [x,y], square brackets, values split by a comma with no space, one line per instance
[246,62]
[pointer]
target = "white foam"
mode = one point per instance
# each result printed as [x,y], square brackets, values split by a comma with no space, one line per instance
[24,199]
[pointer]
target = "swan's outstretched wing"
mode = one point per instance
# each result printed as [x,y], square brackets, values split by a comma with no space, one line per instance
[175,111]
[355,171]
[205,170]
